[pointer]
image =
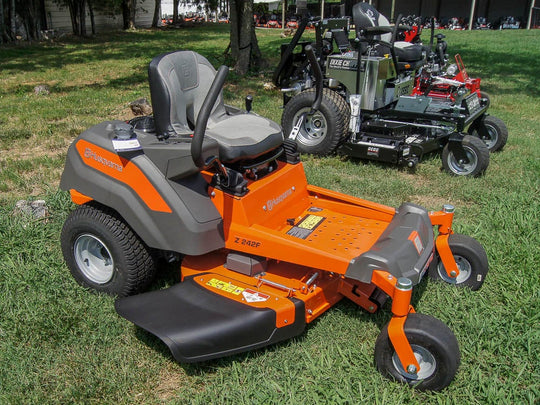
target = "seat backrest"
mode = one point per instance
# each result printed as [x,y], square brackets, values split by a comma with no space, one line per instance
[365,15]
[179,82]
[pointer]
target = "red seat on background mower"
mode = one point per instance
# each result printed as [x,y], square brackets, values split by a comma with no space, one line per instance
[179,83]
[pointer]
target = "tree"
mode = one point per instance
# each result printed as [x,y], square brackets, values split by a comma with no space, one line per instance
[244,46]
[77,12]
[129,8]
[30,11]
[175,11]
[12,19]
[2,27]
[155,19]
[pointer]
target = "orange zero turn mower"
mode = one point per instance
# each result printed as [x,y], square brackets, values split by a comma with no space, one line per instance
[263,253]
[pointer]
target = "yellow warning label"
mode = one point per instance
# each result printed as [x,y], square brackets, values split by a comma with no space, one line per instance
[310,222]
[224,286]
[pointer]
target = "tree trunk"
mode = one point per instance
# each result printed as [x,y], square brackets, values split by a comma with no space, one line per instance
[92,20]
[74,14]
[175,12]
[12,19]
[2,28]
[43,15]
[244,40]
[82,18]
[155,19]
[32,19]
[128,13]
[133,11]
[234,23]
[244,46]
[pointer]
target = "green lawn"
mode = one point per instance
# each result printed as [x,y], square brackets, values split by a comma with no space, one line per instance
[62,344]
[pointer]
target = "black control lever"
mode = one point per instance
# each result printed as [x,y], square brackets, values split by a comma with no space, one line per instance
[432,20]
[204,114]
[318,77]
[249,102]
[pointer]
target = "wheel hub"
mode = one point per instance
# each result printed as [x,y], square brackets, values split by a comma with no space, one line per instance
[425,359]
[462,167]
[490,139]
[314,127]
[464,267]
[93,258]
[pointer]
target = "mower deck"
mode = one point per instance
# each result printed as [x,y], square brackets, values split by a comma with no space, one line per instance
[292,251]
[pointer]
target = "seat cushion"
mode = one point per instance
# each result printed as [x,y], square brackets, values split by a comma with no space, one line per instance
[407,52]
[244,136]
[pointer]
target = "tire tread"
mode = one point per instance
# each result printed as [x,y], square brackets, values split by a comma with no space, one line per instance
[139,263]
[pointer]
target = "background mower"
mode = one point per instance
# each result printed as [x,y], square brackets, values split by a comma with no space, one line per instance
[441,80]
[264,253]
[367,110]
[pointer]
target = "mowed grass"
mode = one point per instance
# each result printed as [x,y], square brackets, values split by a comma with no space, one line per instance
[61,344]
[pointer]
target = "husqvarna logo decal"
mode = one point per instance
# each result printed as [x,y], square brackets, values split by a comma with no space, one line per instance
[275,201]
[122,170]
[90,154]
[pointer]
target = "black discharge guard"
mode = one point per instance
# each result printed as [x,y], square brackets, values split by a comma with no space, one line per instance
[197,324]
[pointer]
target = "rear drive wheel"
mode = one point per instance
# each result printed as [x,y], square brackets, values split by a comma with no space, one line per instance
[103,253]
[435,348]
[477,155]
[320,132]
[471,259]
[492,131]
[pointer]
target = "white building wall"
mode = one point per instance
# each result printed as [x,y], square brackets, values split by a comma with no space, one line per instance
[167,8]
[58,18]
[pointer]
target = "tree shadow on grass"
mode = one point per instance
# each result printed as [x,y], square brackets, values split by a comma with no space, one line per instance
[112,46]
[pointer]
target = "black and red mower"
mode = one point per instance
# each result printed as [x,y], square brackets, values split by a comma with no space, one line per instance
[441,79]
[263,253]
[368,108]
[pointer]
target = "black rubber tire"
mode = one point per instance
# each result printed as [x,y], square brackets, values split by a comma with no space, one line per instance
[478,156]
[496,129]
[426,335]
[471,259]
[335,111]
[131,264]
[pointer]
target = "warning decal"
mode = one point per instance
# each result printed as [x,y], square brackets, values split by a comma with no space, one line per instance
[254,296]
[417,242]
[306,226]
[227,287]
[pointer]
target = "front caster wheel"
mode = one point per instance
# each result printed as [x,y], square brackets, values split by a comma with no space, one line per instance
[477,158]
[435,348]
[492,131]
[103,253]
[471,259]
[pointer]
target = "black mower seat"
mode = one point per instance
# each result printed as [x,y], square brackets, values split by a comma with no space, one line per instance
[409,56]
[244,136]
[179,82]
[366,16]
[407,52]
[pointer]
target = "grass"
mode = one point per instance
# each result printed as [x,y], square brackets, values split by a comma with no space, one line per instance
[62,344]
